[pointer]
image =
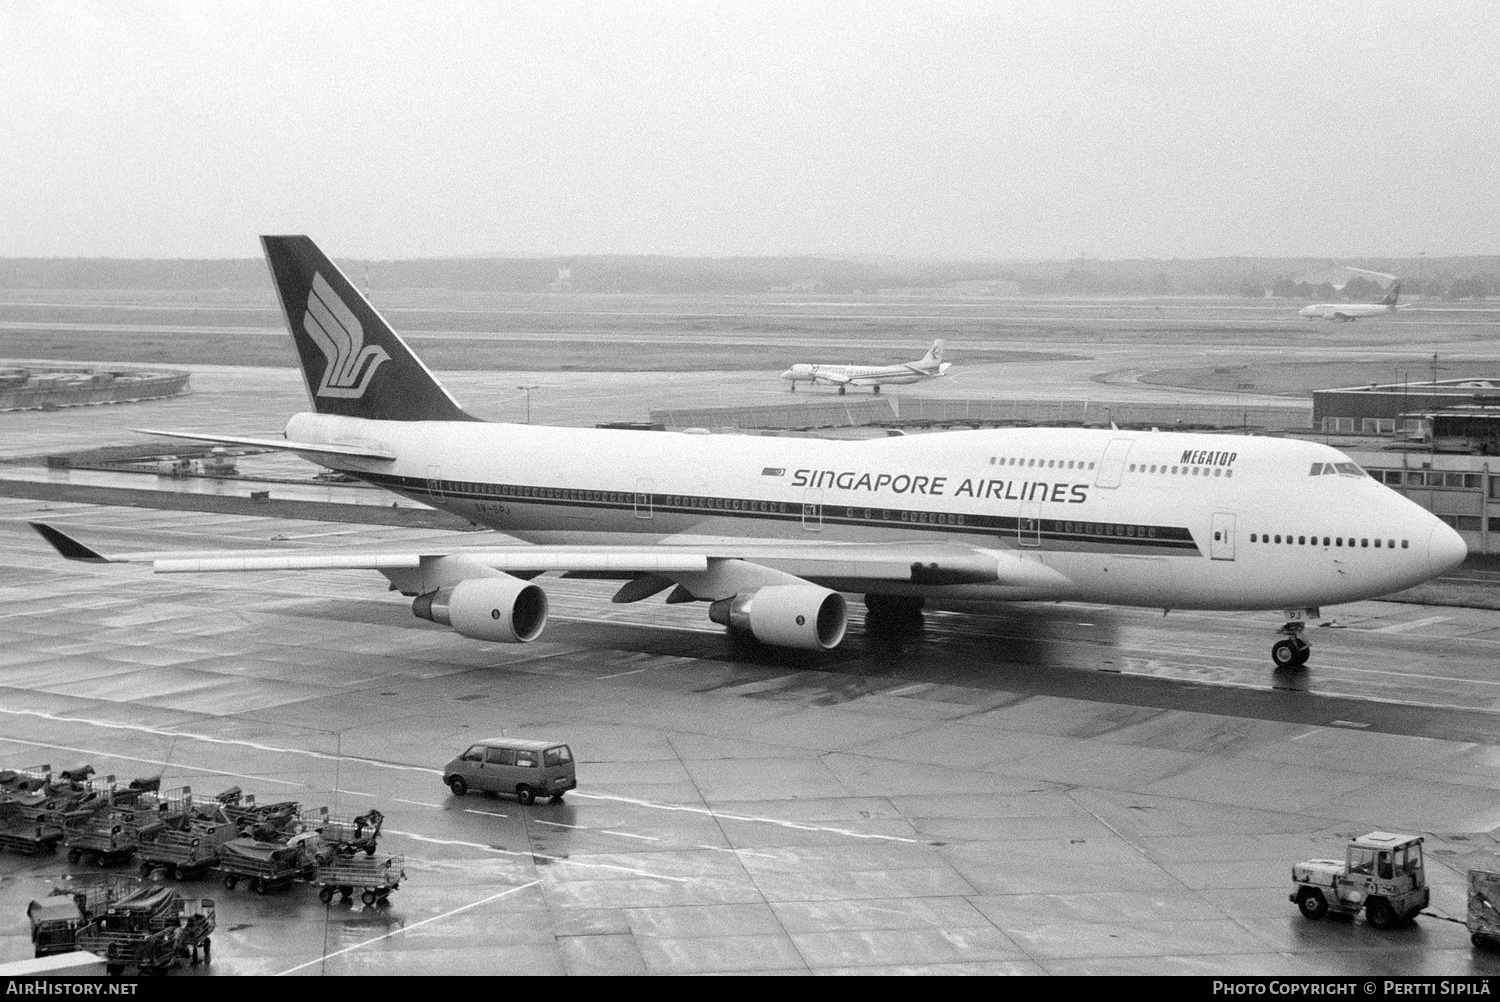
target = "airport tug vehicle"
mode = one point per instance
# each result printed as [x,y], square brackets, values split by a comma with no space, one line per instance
[1381,873]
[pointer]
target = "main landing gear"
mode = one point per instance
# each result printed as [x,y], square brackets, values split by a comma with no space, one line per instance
[1293,651]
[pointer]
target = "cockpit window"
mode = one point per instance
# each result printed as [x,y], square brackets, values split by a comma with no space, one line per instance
[1349,470]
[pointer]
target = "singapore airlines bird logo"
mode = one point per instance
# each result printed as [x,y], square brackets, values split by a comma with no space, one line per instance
[334,328]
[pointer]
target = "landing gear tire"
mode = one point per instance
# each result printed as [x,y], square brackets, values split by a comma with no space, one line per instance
[325,895]
[877,391]
[1313,906]
[841,391]
[1291,653]
[1380,914]
[368,897]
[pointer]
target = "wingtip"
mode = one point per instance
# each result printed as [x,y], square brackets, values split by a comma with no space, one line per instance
[66,545]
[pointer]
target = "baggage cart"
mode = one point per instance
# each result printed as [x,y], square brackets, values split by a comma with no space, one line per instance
[107,839]
[242,811]
[184,854]
[375,879]
[28,832]
[266,865]
[150,930]
[26,779]
[344,836]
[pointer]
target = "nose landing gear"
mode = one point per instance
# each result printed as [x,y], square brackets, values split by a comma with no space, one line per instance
[1292,652]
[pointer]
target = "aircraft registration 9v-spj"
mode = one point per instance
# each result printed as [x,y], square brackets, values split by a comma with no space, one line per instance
[774,532]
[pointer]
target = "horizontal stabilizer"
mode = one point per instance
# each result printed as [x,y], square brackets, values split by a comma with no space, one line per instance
[279,444]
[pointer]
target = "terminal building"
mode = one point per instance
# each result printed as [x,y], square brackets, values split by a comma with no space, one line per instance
[1436,442]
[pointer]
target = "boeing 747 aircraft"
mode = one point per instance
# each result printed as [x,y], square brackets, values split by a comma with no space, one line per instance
[929,366]
[772,533]
[1353,311]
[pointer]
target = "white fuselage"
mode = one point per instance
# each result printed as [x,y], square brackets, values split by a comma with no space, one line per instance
[1157,519]
[1345,311]
[864,375]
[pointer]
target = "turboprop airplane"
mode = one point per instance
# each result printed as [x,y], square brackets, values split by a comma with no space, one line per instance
[929,366]
[772,533]
[1353,311]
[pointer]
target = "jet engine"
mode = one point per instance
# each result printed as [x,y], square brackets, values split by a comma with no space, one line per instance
[803,616]
[503,609]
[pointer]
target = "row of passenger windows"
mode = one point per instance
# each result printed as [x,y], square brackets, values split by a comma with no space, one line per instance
[1061,464]
[1179,470]
[1350,541]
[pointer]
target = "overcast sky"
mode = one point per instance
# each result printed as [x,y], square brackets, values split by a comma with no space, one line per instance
[909,128]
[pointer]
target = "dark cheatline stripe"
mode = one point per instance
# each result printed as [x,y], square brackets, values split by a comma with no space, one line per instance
[1062,533]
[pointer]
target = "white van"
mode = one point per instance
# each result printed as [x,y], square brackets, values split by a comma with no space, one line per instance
[527,769]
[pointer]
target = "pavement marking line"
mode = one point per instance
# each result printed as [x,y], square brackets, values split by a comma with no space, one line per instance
[620,674]
[1414,624]
[557,824]
[420,803]
[140,728]
[739,852]
[409,928]
[745,817]
[536,855]
[152,761]
[471,810]
[644,838]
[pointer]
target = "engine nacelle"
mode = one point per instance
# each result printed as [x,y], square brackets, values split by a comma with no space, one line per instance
[504,610]
[802,616]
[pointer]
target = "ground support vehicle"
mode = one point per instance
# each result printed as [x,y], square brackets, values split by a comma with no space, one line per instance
[374,879]
[344,836]
[56,919]
[27,830]
[264,865]
[1483,920]
[107,838]
[186,853]
[525,768]
[150,930]
[1382,873]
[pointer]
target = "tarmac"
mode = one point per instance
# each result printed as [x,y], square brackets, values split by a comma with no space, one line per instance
[1047,789]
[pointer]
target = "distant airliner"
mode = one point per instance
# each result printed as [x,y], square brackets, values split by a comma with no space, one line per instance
[770,533]
[930,366]
[1353,311]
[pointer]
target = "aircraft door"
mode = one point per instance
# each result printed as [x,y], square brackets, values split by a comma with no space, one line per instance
[1029,525]
[435,480]
[1221,543]
[1113,464]
[812,511]
[643,498]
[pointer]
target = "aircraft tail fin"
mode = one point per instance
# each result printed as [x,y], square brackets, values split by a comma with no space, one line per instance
[934,354]
[1392,296]
[354,364]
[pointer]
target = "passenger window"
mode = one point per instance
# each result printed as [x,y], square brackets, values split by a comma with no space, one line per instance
[557,756]
[1365,543]
[475,754]
[1377,544]
[1278,538]
[526,760]
[1301,540]
[1325,540]
[1390,544]
[496,756]
[1404,544]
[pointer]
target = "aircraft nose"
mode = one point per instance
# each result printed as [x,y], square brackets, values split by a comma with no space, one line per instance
[788,374]
[1446,549]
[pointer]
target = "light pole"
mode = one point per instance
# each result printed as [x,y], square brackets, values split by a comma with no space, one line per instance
[527,390]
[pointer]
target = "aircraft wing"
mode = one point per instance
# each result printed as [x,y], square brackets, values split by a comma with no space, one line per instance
[833,377]
[718,565]
[279,444]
